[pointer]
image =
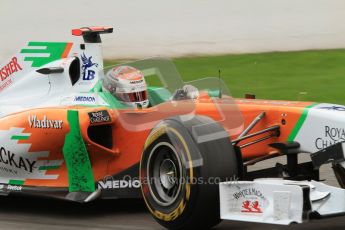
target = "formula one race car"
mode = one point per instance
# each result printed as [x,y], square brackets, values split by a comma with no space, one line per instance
[186,148]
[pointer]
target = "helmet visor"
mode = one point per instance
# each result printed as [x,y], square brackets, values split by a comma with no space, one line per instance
[132,97]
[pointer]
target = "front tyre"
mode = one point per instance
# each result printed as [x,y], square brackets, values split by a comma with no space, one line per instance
[181,166]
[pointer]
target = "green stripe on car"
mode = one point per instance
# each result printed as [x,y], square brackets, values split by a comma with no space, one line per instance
[49,167]
[16,182]
[19,137]
[300,122]
[52,51]
[80,176]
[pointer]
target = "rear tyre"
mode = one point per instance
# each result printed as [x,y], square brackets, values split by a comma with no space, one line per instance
[181,166]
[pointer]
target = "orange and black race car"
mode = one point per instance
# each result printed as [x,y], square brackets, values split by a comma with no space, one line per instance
[186,150]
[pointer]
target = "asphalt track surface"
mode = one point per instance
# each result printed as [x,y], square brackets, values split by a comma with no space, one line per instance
[38,213]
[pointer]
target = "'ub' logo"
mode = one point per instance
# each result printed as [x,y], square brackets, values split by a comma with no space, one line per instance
[87,63]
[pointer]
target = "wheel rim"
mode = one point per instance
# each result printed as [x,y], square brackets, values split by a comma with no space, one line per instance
[164,173]
[167,174]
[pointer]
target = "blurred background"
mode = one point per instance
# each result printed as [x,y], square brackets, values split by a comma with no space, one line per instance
[179,28]
[249,40]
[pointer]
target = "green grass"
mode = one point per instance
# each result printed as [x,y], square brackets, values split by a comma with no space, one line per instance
[306,75]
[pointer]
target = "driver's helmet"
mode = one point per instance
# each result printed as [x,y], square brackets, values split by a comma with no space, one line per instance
[128,85]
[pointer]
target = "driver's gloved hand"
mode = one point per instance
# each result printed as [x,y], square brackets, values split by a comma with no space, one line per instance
[179,94]
[191,91]
[187,92]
